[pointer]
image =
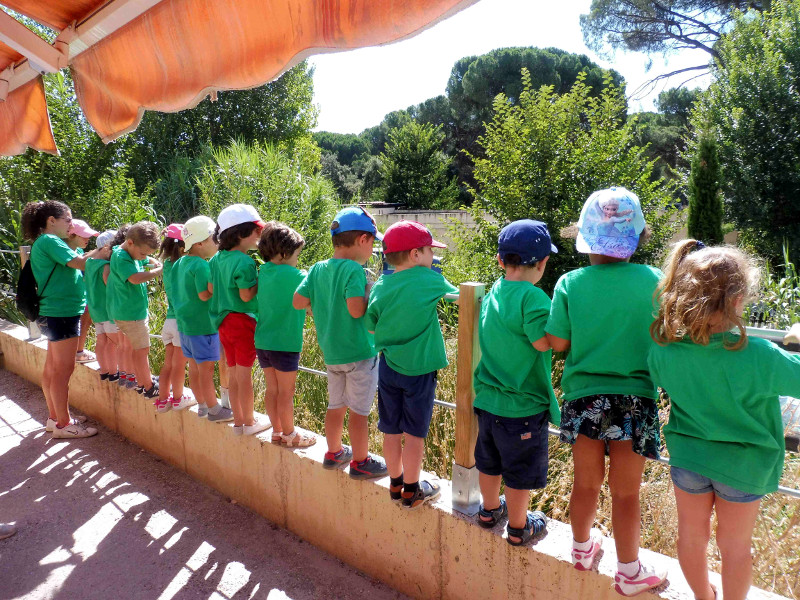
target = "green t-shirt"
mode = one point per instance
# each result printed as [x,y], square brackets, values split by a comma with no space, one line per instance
[402,313]
[96,289]
[189,276]
[64,295]
[165,275]
[231,271]
[328,285]
[725,417]
[127,301]
[605,311]
[513,378]
[280,326]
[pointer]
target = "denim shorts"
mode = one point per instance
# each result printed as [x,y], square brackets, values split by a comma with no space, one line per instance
[405,402]
[694,483]
[284,362]
[515,448]
[58,329]
[200,348]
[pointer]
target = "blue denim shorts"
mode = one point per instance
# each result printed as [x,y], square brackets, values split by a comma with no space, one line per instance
[200,348]
[285,362]
[58,329]
[694,483]
[405,402]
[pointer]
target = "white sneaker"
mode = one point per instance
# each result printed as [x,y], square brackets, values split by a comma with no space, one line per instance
[258,426]
[162,407]
[646,579]
[74,430]
[51,424]
[584,559]
[238,430]
[185,402]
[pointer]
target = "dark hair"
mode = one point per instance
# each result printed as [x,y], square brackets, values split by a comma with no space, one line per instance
[348,238]
[121,234]
[515,260]
[231,237]
[171,249]
[35,215]
[396,258]
[278,239]
[143,232]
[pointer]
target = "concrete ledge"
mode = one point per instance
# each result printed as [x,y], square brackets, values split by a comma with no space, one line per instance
[429,553]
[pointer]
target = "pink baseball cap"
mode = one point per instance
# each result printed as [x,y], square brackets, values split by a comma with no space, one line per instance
[407,235]
[174,231]
[82,229]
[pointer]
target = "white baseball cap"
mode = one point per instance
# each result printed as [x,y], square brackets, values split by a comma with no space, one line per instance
[197,229]
[236,214]
[613,233]
[105,237]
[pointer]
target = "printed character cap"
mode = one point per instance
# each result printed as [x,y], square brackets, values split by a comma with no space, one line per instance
[196,230]
[82,229]
[354,218]
[174,231]
[105,237]
[407,235]
[527,238]
[236,214]
[610,223]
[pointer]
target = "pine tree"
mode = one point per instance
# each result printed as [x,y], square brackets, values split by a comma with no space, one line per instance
[705,197]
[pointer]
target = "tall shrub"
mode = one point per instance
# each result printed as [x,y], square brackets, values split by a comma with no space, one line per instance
[705,198]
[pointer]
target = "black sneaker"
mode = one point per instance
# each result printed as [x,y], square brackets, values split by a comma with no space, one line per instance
[426,492]
[152,392]
[372,467]
[333,462]
[104,376]
[113,377]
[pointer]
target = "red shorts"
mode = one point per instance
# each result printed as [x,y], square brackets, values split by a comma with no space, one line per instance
[237,336]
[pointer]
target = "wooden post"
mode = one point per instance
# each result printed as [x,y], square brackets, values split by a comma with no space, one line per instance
[24,253]
[465,488]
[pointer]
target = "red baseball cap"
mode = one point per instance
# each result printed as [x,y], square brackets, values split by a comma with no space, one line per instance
[407,235]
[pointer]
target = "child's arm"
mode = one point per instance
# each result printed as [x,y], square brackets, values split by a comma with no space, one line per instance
[556,343]
[79,262]
[206,294]
[793,335]
[106,273]
[300,302]
[542,344]
[248,294]
[144,276]
[356,306]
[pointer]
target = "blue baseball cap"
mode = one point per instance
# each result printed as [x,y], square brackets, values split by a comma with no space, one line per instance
[527,238]
[354,218]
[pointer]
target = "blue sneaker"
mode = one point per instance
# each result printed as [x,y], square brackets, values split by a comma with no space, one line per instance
[372,467]
[332,461]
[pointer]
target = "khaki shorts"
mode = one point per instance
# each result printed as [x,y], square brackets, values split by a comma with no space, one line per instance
[136,332]
[169,333]
[105,327]
[353,385]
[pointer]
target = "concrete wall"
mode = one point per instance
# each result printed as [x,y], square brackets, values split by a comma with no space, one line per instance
[429,553]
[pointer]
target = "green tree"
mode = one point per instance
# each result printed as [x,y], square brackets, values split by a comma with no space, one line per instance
[543,157]
[415,170]
[705,201]
[754,108]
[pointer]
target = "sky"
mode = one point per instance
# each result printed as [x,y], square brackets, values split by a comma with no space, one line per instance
[354,90]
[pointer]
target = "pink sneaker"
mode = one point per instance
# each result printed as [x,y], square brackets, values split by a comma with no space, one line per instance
[584,559]
[646,579]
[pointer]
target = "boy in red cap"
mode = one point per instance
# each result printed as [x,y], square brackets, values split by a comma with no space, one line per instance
[402,313]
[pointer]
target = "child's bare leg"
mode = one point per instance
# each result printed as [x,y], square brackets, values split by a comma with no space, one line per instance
[233,396]
[413,452]
[393,453]
[358,427]
[490,491]
[334,426]
[624,480]
[694,532]
[113,351]
[100,350]
[518,502]
[86,322]
[127,354]
[286,381]
[178,375]
[735,523]
[205,376]
[141,367]
[271,399]
[589,461]
[244,387]
[166,372]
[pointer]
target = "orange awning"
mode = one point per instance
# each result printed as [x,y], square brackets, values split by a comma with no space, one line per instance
[24,121]
[128,56]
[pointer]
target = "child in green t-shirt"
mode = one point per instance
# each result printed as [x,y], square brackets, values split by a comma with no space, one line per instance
[402,313]
[127,292]
[600,315]
[514,397]
[78,239]
[336,289]
[279,331]
[725,433]
[107,342]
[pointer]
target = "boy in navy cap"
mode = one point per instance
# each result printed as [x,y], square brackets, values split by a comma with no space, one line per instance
[514,397]
[336,289]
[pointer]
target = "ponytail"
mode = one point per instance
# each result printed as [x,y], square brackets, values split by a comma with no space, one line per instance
[35,215]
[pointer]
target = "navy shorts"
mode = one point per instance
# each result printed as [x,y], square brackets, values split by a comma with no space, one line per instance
[405,402]
[280,361]
[694,483]
[200,348]
[58,329]
[515,448]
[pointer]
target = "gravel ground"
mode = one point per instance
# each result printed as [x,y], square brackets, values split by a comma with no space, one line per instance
[101,518]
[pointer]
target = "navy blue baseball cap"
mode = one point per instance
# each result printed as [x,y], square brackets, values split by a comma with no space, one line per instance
[527,238]
[354,218]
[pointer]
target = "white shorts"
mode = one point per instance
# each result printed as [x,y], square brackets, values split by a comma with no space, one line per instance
[105,327]
[169,333]
[353,385]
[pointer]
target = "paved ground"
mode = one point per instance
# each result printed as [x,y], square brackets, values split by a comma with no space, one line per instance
[100,518]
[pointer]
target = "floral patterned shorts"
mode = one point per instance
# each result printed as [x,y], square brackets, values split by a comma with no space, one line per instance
[613,417]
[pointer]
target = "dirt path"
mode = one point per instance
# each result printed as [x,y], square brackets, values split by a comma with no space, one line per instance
[100,518]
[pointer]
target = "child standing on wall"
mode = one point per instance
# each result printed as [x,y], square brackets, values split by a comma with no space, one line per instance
[78,238]
[233,307]
[600,314]
[336,289]
[514,397]
[173,373]
[96,275]
[127,291]
[725,433]
[279,332]
[191,291]
[402,313]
